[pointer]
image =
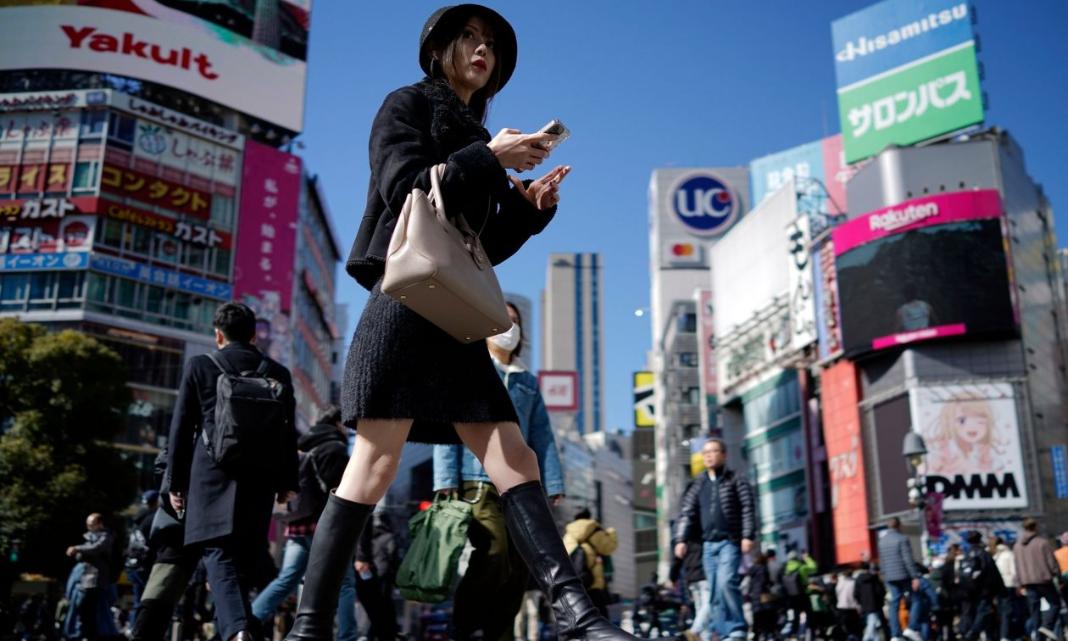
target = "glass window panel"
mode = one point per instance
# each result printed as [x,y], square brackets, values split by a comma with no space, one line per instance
[194,256]
[42,286]
[93,121]
[142,240]
[124,293]
[70,285]
[85,174]
[222,210]
[97,287]
[154,299]
[167,249]
[222,261]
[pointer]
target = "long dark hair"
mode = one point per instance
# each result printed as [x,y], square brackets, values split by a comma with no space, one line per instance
[445,47]
[518,321]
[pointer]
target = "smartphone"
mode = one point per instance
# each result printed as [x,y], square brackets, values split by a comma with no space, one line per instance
[557,128]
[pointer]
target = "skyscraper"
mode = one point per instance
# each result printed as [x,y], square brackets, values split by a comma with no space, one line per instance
[573,311]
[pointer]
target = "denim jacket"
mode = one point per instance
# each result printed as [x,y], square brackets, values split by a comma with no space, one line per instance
[455,463]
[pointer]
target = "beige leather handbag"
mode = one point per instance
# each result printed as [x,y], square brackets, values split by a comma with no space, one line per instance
[439,269]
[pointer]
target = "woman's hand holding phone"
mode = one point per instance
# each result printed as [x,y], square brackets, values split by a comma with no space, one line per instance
[545,191]
[519,151]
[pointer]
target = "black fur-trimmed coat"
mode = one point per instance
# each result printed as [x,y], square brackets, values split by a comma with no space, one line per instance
[417,127]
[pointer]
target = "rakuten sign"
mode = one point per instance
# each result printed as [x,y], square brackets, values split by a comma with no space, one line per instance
[237,73]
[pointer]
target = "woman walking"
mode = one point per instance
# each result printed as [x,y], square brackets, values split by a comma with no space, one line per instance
[405,379]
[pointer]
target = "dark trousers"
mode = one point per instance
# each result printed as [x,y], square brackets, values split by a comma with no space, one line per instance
[977,616]
[490,594]
[1035,594]
[376,596]
[87,613]
[230,564]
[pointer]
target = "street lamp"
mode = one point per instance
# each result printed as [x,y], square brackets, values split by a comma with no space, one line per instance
[915,450]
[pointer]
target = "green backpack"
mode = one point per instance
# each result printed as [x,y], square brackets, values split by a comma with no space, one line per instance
[428,573]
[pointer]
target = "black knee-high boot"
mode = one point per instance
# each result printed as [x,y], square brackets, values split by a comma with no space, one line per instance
[531,527]
[332,549]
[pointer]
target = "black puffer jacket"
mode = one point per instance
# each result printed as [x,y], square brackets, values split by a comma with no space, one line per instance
[739,507]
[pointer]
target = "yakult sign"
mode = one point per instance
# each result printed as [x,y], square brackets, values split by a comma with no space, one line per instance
[704,203]
[200,58]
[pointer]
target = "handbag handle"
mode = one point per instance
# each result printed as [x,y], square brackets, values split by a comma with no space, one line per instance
[471,238]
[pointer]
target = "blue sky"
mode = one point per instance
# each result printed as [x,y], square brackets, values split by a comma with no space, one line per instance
[644,85]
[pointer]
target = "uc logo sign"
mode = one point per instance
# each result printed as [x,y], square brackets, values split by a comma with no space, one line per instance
[704,203]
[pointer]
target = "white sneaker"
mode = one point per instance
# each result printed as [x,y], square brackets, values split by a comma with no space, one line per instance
[912,635]
[1049,634]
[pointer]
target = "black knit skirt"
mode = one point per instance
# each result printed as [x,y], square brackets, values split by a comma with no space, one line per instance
[400,365]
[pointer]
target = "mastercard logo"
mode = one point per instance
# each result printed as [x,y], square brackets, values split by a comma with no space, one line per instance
[683,250]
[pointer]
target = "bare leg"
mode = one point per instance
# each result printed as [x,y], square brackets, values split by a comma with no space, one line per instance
[375,456]
[504,453]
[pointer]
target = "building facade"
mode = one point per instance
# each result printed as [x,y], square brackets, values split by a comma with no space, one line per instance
[573,329]
[134,200]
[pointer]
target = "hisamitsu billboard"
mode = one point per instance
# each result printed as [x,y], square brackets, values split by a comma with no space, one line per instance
[907,72]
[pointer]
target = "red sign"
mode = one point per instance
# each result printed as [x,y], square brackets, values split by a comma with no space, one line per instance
[560,390]
[7,178]
[845,461]
[154,190]
[31,179]
[12,210]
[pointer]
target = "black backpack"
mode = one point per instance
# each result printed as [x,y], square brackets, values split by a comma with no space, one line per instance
[250,419]
[978,575]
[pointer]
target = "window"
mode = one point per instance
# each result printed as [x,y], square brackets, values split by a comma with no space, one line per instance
[124,293]
[688,359]
[42,290]
[70,289]
[13,291]
[154,299]
[122,128]
[181,313]
[96,288]
[93,123]
[109,233]
[193,256]
[686,323]
[222,210]
[141,242]
[222,262]
[85,176]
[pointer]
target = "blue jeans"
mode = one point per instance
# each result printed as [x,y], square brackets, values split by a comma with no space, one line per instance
[137,577]
[898,590]
[872,623]
[721,560]
[702,605]
[294,562]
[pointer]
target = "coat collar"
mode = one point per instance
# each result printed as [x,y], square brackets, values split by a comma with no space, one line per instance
[452,125]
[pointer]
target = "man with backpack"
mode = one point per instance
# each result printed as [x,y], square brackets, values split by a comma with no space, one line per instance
[980,584]
[1036,571]
[232,451]
[323,456]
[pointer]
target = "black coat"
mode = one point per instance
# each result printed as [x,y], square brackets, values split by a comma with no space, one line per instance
[324,455]
[739,508]
[220,503]
[420,126]
[869,592]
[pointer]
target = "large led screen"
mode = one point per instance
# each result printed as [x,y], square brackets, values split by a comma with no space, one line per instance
[929,281]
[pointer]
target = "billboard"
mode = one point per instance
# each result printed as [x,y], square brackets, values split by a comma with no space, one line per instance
[644,400]
[928,268]
[197,56]
[810,165]
[892,421]
[560,390]
[845,462]
[155,191]
[159,276]
[906,72]
[49,236]
[972,435]
[266,246]
[828,312]
[801,294]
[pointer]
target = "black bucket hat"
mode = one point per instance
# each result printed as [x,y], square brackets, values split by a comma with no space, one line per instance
[507,47]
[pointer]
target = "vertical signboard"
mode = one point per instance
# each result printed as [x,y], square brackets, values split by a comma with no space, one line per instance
[972,435]
[906,72]
[800,163]
[845,462]
[802,297]
[266,242]
[644,401]
[560,390]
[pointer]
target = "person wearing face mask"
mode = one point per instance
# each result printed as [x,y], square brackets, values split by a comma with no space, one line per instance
[491,592]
